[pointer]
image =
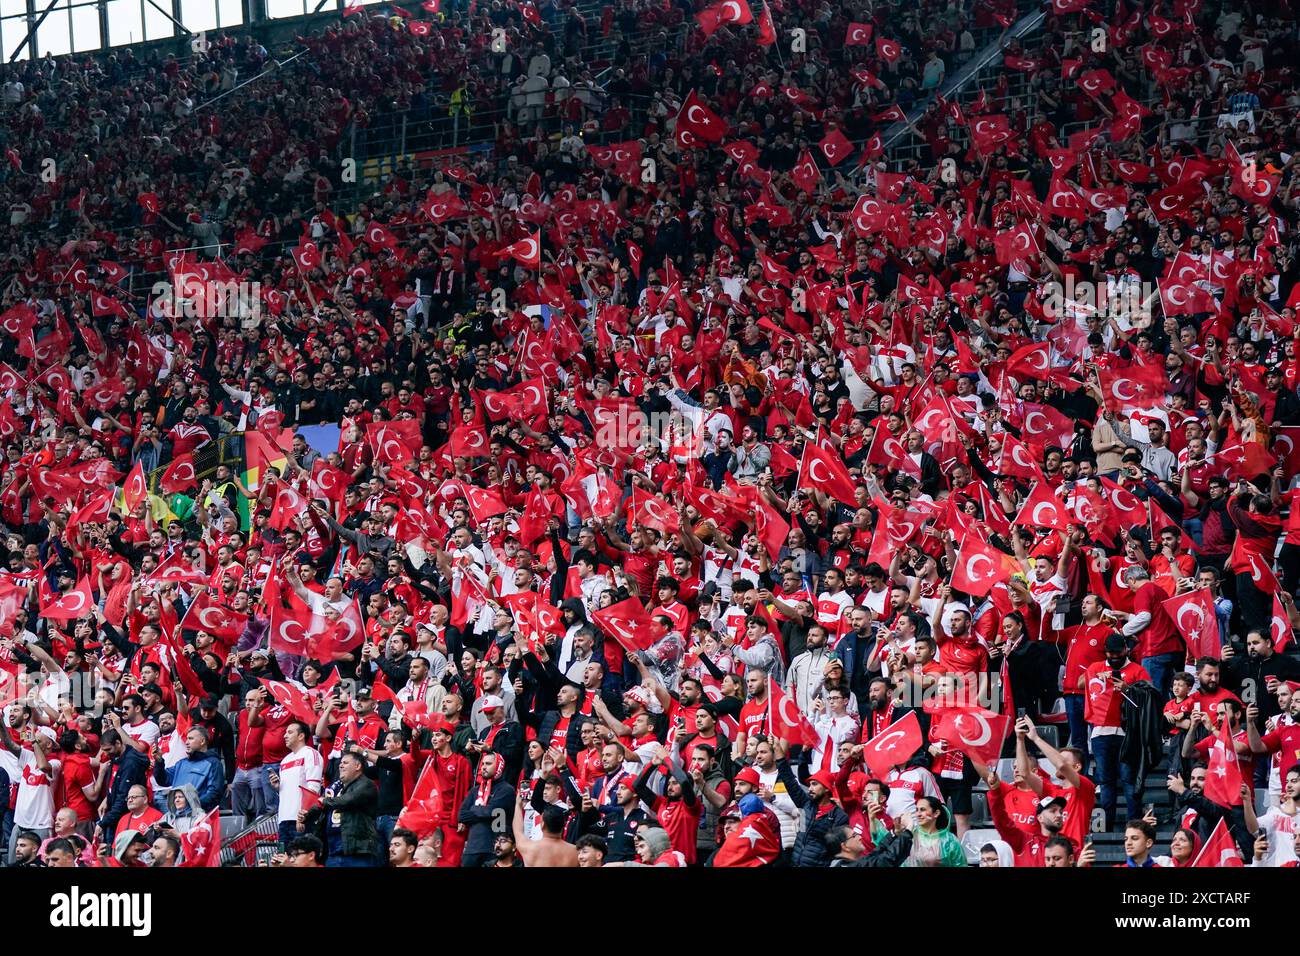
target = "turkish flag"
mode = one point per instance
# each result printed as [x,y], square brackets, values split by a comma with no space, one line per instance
[888,50]
[306,256]
[1042,509]
[483,504]
[893,746]
[835,146]
[697,124]
[771,528]
[136,488]
[527,251]
[179,475]
[1030,362]
[974,731]
[328,481]
[102,304]
[653,512]
[634,258]
[219,621]
[177,570]
[1015,460]
[1248,461]
[630,624]
[1223,782]
[423,812]
[10,423]
[756,841]
[70,606]
[1220,849]
[858,34]
[201,845]
[297,702]
[980,566]
[728,11]
[766,28]
[786,720]
[148,202]
[286,506]
[441,207]
[331,640]
[1194,618]
[1138,386]
[1175,201]
[469,441]
[1280,626]
[825,471]
[805,173]
[380,236]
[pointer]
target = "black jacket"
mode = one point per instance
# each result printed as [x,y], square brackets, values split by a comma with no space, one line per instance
[509,743]
[356,801]
[486,821]
[132,768]
[1142,716]
[810,847]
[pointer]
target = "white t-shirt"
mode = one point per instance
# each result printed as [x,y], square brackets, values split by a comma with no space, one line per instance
[34,809]
[302,769]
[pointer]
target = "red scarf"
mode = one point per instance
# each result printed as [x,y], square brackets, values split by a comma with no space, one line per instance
[485,783]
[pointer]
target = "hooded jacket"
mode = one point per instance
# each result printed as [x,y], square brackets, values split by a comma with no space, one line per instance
[203,771]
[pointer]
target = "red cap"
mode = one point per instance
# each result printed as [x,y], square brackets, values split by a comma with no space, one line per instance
[749,775]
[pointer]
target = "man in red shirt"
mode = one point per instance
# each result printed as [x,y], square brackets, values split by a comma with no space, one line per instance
[1101,684]
[1028,847]
[1079,792]
[1161,648]
[77,781]
[678,808]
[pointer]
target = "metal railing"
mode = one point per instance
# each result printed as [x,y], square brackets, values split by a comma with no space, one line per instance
[253,845]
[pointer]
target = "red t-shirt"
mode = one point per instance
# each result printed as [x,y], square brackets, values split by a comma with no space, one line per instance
[1087,646]
[1285,741]
[1160,636]
[274,720]
[753,717]
[1079,802]
[77,774]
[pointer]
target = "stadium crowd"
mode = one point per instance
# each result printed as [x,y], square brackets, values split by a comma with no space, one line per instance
[695,475]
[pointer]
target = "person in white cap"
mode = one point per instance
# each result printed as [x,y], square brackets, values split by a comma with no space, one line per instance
[501,736]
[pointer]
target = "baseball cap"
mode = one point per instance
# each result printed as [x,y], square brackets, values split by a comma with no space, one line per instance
[492,701]
[749,775]
[1046,802]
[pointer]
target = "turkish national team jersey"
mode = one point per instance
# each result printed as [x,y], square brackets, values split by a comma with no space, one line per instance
[34,809]
[906,786]
[306,768]
[753,718]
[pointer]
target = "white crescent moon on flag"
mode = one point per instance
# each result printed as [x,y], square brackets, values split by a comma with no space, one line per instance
[1034,515]
[986,731]
[973,560]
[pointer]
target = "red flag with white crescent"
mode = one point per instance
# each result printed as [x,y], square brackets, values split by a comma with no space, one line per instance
[894,745]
